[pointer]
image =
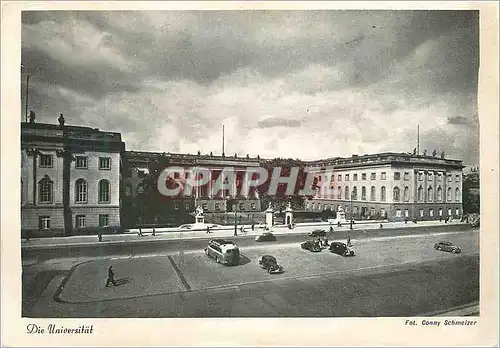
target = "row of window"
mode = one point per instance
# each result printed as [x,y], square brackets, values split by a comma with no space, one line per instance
[44,221]
[81,162]
[397,176]
[431,212]
[397,194]
[46,191]
[217,206]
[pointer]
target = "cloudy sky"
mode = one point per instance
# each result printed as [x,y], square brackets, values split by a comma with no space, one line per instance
[301,84]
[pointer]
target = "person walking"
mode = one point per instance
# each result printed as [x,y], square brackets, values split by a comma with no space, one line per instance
[111,277]
[208,229]
[349,241]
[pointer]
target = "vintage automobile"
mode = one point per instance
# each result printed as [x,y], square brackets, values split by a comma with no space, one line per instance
[310,245]
[270,263]
[341,249]
[223,251]
[265,237]
[447,246]
[317,233]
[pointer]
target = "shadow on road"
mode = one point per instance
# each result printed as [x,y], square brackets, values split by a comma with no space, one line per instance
[243,260]
[122,281]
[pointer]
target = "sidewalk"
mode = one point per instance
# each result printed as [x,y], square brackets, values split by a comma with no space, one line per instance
[162,234]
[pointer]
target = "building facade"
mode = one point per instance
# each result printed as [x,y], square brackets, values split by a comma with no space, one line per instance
[393,186]
[70,179]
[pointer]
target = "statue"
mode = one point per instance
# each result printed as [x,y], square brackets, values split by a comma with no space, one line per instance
[61,120]
[199,210]
[199,152]
[32,116]
[425,152]
[442,154]
[211,154]
[434,153]
[340,209]
[414,151]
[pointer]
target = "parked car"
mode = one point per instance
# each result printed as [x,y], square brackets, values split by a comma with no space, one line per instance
[447,246]
[317,233]
[266,237]
[341,249]
[271,264]
[311,246]
[223,251]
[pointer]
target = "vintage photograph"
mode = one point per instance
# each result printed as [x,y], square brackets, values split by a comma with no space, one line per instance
[200,164]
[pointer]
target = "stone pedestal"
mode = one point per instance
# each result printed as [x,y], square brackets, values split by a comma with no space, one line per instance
[269,217]
[289,215]
[341,215]
[199,217]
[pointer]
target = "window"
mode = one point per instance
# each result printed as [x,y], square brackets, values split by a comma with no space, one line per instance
[429,176]
[430,194]
[382,176]
[186,207]
[339,177]
[46,161]
[347,177]
[421,213]
[217,207]
[331,207]
[407,176]
[407,213]
[449,177]
[332,178]
[313,206]
[346,193]
[448,194]
[440,211]
[372,193]
[339,192]
[253,206]
[457,178]
[440,177]
[363,193]
[354,193]
[128,190]
[420,176]
[363,176]
[45,190]
[397,176]
[241,207]
[457,212]
[104,163]
[439,194]
[395,195]
[382,193]
[308,205]
[81,162]
[80,221]
[457,195]
[449,211]
[80,191]
[140,189]
[398,212]
[372,211]
[383,212]
[204,206]
[420,194]
[406,194]
[103,220]
[373,176]
[104,191]
[355,177]
[44,222]
[176,206]
[431,212]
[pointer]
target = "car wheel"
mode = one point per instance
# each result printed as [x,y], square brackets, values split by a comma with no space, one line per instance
[206,252]
[454,251]
[217,259]
[438,248]
[269,271]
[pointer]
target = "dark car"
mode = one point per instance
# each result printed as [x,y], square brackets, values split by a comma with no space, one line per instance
[341,249]
[311,246]
[271,264]
[447,246]
[317,233]
[266,237]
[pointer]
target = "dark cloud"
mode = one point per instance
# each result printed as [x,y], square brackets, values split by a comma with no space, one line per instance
[278,122]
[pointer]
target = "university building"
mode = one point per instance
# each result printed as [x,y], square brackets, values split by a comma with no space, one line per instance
[395,186]
[70,179]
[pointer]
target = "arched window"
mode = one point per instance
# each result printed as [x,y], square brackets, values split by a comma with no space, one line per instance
[448,194]
[346,193]
[104,189]
[354,193]
[457,194]
[420,194]
[372,193]
[395,195]
[363,193]
[430,194]
[339,192]
[406,194]
[439,194]
[80,191]
[45,190]
[382,193]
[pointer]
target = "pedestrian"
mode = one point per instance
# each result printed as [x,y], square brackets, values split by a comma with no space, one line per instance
[208,229]
[140,232]
[99,235]
[154,232]
[331,229]
[253,227]
[339,224]
[111,277]
[381,226]
[349,241]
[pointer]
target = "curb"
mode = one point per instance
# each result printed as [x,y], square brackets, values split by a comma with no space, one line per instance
[470,309]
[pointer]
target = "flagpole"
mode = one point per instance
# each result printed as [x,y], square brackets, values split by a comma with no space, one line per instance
[222,140]
[418,140]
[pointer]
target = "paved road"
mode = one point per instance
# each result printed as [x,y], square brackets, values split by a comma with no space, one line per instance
[390,276]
